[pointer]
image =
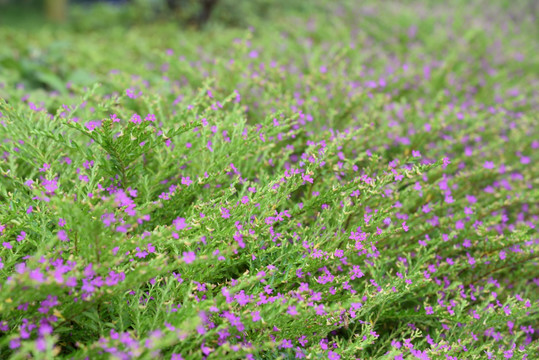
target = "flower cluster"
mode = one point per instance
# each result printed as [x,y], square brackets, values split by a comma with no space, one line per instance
[348,192]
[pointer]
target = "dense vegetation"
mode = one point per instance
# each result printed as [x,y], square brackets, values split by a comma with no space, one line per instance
[320,180]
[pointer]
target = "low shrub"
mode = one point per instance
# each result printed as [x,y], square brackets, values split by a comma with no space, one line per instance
[361,186]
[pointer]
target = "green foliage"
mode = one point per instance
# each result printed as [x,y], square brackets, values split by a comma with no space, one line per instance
[364,175]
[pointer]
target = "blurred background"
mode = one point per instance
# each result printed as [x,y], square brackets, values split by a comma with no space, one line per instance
[98,13]
[196,14]
[45,44]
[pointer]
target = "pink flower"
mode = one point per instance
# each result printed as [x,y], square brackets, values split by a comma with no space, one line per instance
[225,213]
[292,311]
[41,345]
[21,236]
[136,119]
[189,257]
[446,162]
[255,316]
[36,275]
[179,223]
[62,235]
[45,167]
[525,160]
[91,125]
[15,343]
[186,181]
[404,227]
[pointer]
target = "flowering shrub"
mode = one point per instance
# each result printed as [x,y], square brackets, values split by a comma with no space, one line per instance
[352,188]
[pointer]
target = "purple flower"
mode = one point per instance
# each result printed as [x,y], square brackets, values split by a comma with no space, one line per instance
[292,311]
[225,213]
[45,167]
[62,235]
[255,316]
[15,343]
[446,162]
[404,226]
[525,160]
[37,275]
[179,223]
[286,344]
[333,355]
[91,125]
[189,257]
[136,119]
[186,181]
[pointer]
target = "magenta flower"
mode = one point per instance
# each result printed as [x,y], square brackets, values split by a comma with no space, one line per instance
[286,344]
[15,343]
[333,355]
[255,316]
[131,93]
[62,235]
[136,119]
[186,181]
[292,311]
[92,125]
[225,213]
[45,167]
[404,226]
[21,236]
[37,275]
[50,185]
[189,257]
[179,223]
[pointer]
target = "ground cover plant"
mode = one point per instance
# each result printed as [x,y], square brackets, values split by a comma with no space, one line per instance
[326,181]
